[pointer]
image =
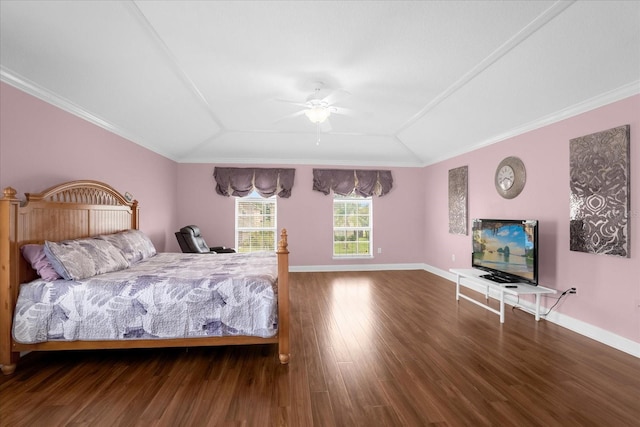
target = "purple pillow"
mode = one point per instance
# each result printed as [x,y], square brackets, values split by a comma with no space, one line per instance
[39,261]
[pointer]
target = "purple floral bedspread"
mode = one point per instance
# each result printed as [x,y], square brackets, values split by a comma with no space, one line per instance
[170,295]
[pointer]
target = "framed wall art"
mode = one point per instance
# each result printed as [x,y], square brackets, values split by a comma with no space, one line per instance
[458,182]
[599,192]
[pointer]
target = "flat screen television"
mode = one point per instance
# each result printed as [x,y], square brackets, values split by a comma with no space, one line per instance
[506,249]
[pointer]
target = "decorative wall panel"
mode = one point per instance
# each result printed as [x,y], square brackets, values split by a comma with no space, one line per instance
[458,179]
[599,195]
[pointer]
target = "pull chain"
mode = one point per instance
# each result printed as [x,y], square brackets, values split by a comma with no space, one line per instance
[318,133]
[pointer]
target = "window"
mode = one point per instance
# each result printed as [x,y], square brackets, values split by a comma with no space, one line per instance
[352,226]
[256,226]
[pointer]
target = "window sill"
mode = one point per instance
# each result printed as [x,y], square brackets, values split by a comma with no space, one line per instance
[352,257]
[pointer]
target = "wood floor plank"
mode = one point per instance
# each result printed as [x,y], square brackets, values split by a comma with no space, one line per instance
[312,360]
[344,411]
[300,394]
[383,348]
[321,408]
[382,416]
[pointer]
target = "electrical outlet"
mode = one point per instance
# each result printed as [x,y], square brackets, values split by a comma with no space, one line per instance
[573,291]
[453,257]
[379,250]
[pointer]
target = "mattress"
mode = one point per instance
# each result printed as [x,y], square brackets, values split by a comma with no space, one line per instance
[169,295]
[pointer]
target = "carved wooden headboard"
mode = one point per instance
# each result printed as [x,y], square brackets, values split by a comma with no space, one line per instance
[71,210]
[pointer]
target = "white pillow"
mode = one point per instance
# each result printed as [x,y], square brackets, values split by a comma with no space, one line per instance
[134,244]
[82,258]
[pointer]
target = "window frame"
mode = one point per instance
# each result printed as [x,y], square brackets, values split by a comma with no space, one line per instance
[254,197]
[352,198]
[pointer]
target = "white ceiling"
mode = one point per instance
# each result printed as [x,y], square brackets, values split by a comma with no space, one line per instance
[203,81]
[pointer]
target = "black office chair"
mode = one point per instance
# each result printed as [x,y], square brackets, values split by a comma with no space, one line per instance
[191,241]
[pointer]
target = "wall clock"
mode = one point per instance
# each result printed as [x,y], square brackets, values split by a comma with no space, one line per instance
[510,177]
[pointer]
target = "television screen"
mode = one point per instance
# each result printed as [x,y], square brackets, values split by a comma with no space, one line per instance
[507,249]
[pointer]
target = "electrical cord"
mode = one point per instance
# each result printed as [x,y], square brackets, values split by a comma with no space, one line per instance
[568,291]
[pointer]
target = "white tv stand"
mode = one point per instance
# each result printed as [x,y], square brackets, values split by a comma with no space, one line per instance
[471,277]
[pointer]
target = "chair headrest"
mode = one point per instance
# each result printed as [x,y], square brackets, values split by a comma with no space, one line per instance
[191,229]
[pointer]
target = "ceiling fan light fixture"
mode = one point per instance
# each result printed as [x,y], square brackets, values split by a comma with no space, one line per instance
[317,114]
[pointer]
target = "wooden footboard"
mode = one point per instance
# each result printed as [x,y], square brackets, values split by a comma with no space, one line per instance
[81,209]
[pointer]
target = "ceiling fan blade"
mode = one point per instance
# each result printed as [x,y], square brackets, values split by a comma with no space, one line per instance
[290,116]
[336,96]
[343,111]
[286,101]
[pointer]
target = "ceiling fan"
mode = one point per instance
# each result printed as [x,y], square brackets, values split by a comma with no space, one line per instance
[318,108]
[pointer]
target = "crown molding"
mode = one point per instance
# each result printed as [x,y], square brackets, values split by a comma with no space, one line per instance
[623,92]
[539,22]
[590,104]
[25,85]
[21,83]
[52,98]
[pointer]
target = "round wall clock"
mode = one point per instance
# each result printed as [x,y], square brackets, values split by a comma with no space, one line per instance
[510,177]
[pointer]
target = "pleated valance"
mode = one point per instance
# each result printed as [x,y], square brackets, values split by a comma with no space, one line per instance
[243,181]
[365,183]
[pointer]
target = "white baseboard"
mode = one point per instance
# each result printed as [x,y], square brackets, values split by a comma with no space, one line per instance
[605,337]
[354,267]
[612,340]
[608,338]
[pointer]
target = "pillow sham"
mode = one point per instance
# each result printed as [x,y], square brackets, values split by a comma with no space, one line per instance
[134,244]
[35,255]
[82,258]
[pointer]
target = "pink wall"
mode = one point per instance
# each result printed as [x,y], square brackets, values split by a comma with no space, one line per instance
[398,217]
[41,146]
[608,287]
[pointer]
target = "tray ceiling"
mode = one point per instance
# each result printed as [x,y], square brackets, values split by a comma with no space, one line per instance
[425,81]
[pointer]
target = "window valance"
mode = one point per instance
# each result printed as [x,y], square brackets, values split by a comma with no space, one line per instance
[365,183]
[265,181]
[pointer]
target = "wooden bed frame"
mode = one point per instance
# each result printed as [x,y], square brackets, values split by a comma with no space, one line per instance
[80,209]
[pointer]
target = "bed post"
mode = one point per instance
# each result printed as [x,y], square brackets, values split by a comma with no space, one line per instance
[283,298]
[135,215]
[8,276]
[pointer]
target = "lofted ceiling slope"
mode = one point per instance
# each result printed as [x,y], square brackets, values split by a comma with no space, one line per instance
[226,81]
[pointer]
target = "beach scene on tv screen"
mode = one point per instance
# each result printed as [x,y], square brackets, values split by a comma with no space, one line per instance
[504,247]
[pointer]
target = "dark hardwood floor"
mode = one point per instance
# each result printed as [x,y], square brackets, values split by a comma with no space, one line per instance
[368,349]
